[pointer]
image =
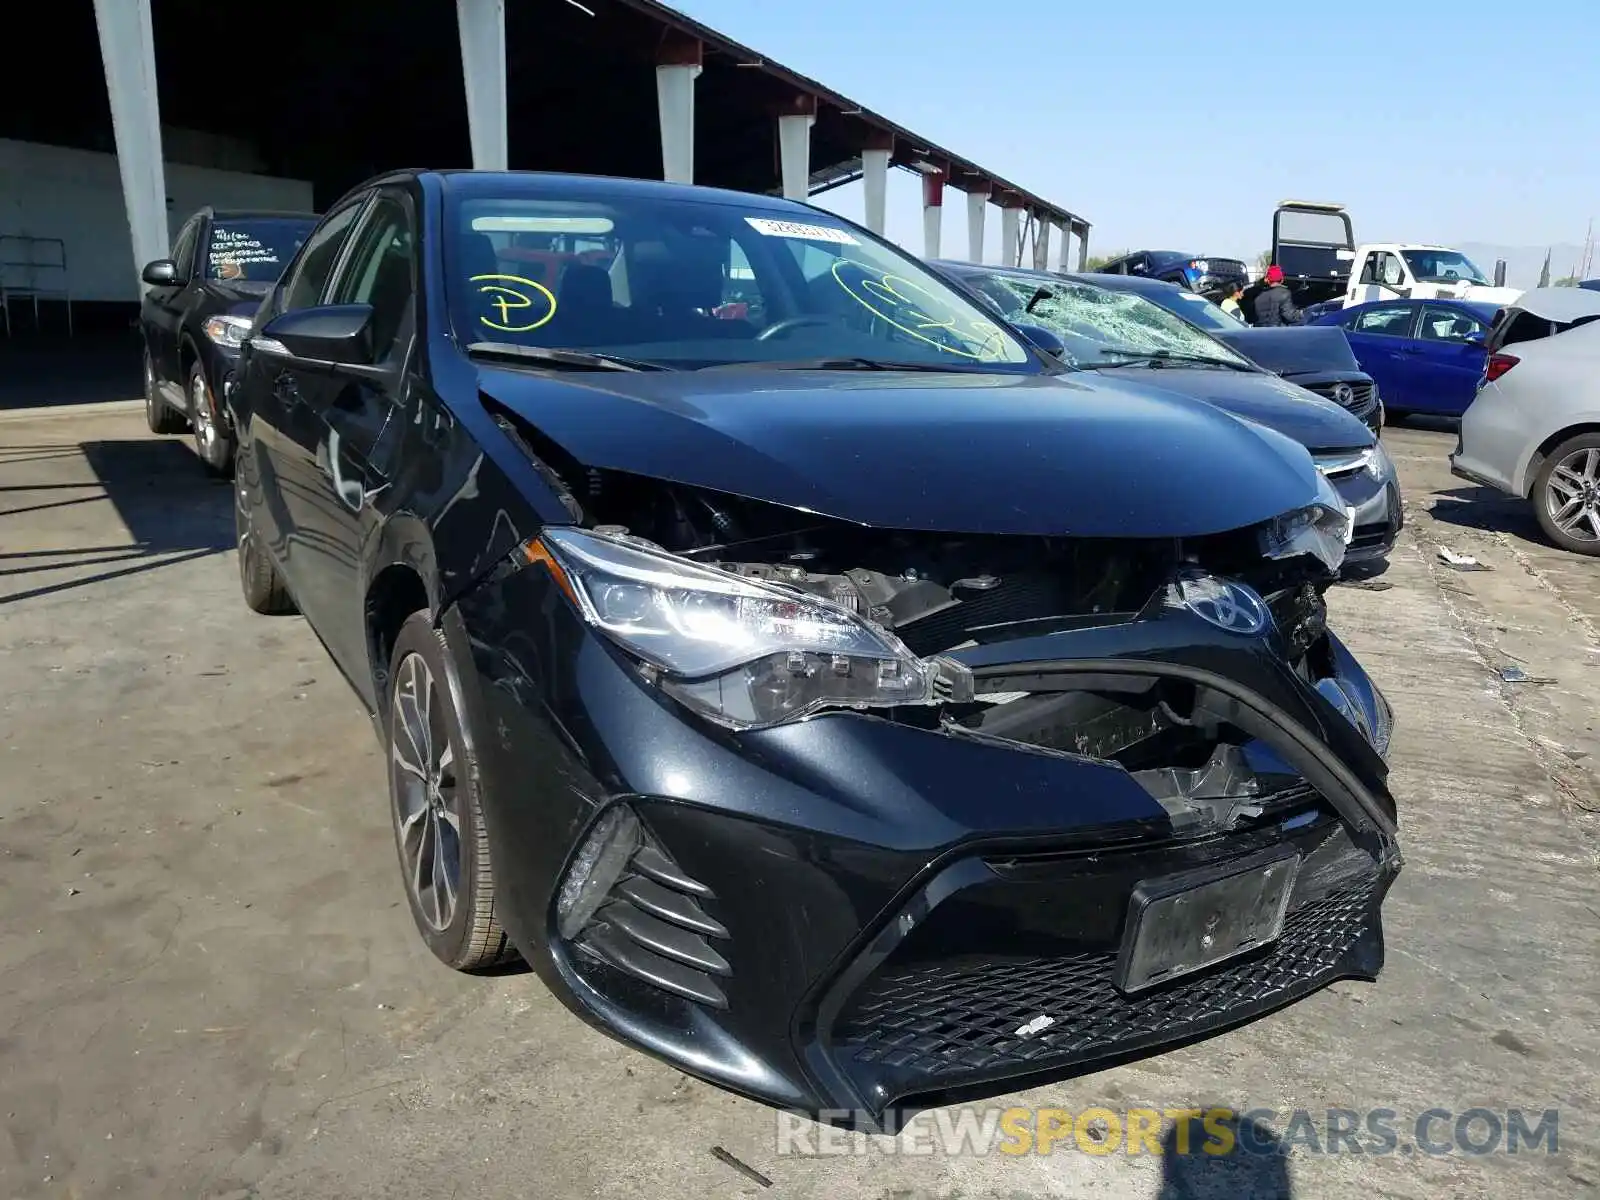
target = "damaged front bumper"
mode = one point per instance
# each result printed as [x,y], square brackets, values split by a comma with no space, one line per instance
[871,914]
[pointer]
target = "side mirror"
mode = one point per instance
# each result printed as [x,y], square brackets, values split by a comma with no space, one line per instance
[330,333]
[1043,338]
[162,272]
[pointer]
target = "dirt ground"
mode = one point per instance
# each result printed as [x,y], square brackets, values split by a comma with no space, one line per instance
[209,985]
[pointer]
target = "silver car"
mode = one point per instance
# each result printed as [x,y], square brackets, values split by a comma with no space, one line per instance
[1533,430]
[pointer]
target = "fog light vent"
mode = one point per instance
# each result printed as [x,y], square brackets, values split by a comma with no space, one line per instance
[627,903]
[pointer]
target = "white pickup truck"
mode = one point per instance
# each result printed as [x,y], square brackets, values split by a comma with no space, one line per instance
[1314,244]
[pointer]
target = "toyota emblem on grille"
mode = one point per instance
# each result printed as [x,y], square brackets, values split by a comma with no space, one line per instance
[1343,394]
[1230,606]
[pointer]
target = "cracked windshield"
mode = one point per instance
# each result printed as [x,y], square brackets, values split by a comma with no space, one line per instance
[685,285]
[1101,328]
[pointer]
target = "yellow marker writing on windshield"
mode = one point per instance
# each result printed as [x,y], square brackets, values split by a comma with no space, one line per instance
[530,303]
[907,301]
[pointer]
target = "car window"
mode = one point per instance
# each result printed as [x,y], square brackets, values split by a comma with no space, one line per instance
[1449,325]
[1385,320]
[693,283]
[183,247]
[254,248]
[380,271]
[1097,325]
[1204,313]
[308,277]
[1443,266]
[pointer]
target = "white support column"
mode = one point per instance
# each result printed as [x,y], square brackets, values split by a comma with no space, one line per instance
[482,25]
[1041,246]
[1083,249]
[932,214]
[977,209]
[1010,231]
[128,51]
[675,99]
[1066,246]
[677,68]
[875,182]
[794,153]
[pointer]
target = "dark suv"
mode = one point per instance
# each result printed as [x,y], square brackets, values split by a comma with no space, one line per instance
[1197,272]
[196,312]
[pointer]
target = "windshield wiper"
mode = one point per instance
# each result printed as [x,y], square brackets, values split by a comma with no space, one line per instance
[832,364]
[1157,358]
[561,360]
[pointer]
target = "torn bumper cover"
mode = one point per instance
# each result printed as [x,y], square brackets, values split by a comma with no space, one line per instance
[1101,841]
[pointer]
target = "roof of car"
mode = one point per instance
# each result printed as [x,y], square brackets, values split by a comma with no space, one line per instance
[1123,283]
[551,182]
[236,214]
[1478,308]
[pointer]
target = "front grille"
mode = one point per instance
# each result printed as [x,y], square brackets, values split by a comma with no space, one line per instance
[1363,399]
[948,1020]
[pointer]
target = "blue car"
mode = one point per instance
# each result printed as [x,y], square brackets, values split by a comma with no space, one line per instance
[1426,355]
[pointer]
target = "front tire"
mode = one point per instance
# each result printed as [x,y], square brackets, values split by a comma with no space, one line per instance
[264,587]
[211,440]
[1566,494]
[439,829]
[158,413]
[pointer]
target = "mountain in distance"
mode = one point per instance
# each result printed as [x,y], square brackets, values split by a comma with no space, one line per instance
[1523,263]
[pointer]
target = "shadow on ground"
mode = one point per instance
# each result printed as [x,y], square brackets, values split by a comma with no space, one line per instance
[1223,1158]
[1487,510]
[45,371]
[173,510]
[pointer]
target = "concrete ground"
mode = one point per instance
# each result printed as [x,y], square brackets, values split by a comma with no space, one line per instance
[209,984]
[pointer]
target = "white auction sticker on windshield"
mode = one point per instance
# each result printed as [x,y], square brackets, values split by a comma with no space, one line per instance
[797,229]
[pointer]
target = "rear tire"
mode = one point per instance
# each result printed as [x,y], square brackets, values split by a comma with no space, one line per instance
[439,829]
[158,414]
[1566,494]
[211,440]
[264,587]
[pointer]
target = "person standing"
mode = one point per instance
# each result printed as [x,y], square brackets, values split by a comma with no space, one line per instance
[1273,304]
[1230,301]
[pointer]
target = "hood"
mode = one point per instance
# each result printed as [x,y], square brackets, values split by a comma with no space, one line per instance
[1317,424]
[958,453]
[229,292]
[1482,293]
[1560,304]
[1294,349]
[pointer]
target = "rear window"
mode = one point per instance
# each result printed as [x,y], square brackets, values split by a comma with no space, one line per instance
[1515,325]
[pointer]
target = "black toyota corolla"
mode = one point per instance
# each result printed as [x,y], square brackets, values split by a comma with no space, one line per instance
[817,687]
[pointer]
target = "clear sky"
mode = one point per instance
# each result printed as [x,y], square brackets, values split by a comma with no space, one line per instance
[1179,124]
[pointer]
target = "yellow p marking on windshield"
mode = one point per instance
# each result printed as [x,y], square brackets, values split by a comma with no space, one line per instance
[508,300]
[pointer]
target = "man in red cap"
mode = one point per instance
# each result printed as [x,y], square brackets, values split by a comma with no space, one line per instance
[1273,304]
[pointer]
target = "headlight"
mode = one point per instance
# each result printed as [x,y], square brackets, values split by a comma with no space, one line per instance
[740,652]
[1201,265]
[1321,529]
[228,331]
[1379,464]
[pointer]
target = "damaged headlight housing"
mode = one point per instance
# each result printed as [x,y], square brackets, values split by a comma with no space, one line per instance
[1321,529]
[742,652]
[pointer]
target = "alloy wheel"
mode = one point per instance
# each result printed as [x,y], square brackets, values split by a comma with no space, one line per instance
[149,389]
[427,800]
[205,428]
[1572,495]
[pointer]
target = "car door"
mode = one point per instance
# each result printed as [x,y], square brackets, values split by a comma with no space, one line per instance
[280,391]
[357,423]
[1448,358]
[162,312]
[1377,332]
[1382,277]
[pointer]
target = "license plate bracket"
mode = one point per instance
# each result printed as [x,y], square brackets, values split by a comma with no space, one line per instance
[1184,923]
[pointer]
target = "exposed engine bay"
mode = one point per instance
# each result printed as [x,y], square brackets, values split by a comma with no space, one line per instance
[940,593]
